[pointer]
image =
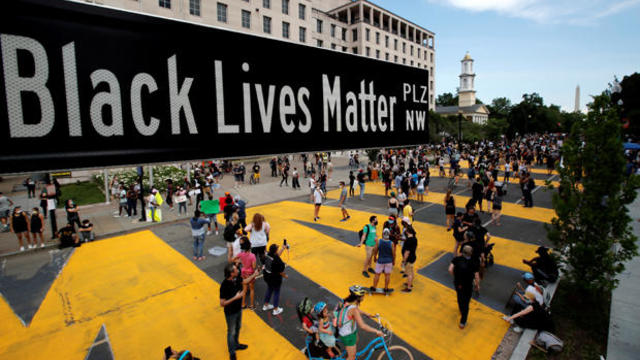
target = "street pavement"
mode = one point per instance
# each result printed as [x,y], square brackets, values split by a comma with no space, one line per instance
[138,292]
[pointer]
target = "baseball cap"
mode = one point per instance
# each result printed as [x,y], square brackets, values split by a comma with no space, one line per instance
[527,276]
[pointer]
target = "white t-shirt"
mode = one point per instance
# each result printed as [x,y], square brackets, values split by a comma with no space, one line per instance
[258,237]
[317,196]
[532,289]
[312,183]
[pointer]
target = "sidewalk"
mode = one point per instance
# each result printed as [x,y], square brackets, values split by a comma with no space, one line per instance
[105,224]
[624,320]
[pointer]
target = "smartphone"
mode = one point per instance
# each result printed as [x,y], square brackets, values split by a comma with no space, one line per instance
[168,352]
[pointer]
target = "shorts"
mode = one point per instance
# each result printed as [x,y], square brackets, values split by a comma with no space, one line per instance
[350,340]
[369,251]
[343,207]
[384,268]
[497,208]
[393,211]
[408,268]
[4,214]
[318,204]
[420,190]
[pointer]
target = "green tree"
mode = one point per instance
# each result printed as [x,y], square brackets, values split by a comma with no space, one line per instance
[500,107]
[592,226]
[495,127]
[447,99]
[628,99]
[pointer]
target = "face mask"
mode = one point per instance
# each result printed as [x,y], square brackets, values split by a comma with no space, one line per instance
[375,223]
[391,221]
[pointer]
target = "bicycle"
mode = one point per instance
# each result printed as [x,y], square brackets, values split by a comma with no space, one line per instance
[254,179]
[389,352]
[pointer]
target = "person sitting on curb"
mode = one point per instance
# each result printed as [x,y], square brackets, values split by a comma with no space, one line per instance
[520,300]
[86,231]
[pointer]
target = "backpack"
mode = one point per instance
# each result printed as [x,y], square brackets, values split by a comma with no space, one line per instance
[549,341]
[304,308]
[361,232]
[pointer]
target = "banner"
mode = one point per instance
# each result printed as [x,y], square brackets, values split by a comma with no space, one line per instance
[87,86]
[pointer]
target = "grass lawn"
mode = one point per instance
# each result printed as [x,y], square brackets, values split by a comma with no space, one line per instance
[583,325]
[82,193]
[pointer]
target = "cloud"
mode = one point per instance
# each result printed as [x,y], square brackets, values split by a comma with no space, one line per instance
[582,12]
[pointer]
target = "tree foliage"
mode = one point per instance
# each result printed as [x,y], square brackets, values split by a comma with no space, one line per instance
[592,226]
[447,99]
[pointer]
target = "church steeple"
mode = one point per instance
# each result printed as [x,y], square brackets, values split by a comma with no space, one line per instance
[466,92]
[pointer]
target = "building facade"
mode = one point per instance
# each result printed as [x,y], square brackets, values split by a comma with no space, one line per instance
[352,26]
[467,107]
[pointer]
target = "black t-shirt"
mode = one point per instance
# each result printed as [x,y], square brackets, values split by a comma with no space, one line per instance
[469,219]
[477,189]
[410,245]
[479,232]
[229,232]
[457,224]
[72,207]
[464,271]
[229,289]
[273,269]
[256,168]
[351,179]
[361,177]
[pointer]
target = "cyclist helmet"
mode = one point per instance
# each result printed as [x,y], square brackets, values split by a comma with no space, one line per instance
[357,290]
[319,307]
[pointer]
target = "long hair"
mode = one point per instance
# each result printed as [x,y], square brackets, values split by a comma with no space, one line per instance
[258,219]
[448,195]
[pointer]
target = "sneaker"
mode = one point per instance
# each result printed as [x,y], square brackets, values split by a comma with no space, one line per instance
[277,311]
[371,271]
[21,248]
[407,290]
[116,216]
[42,245]
[241,347]
[29,246]
[365,274]
[348,217]
[267,307]
[461,325]
[343,220]
[208,233]
[517,329]
[217,232]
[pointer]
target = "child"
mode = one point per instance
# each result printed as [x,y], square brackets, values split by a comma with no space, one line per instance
[248,260]
[326,330]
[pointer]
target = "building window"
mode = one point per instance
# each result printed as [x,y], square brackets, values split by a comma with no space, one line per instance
[354,35]
[344,34]
[266,24]
[367,33]
[319,26]
[431,71]
[301,11]
[194,7]
[431,84]
[404,61]
[431,55]
[266,4]
[377,54]
[418,53]
[319,43]
[333,46]
[411,49]
[333,30]
[222,12]
[425,55]
[411,62]
[246,19]
[285,29]
[165,3]
[404,47]
[355,50]
[386,56]
[395,44]
[303,34]
[344,49]
[377,37]
[367,51]
[285,7]
[395,58]
[386,40]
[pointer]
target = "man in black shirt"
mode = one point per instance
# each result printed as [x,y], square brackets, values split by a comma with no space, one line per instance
[361,180]
[465,272]
[477,191]
[231,294]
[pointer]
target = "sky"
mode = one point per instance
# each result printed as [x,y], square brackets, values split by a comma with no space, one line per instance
[525,46]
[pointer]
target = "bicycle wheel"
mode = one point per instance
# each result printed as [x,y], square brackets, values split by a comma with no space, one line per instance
[396,352]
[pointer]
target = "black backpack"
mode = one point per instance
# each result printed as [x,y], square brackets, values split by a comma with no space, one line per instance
[361,232]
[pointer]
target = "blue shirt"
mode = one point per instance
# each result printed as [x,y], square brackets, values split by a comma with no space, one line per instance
[197,226]
[385,253]
[242,214]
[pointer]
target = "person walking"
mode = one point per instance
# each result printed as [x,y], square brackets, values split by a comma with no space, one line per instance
[231,294]
[449,208]
[273,275]
[31,188]
[464,270]
[198,229]
[122,200]
[20,226]
[285,175]
[527,190]
[181,199]
[295,179]
[259,230]
[51,206]
[352,179]
[37,227]
[368,238]
[342,202]
[140,195]
[132,200]
[318,195]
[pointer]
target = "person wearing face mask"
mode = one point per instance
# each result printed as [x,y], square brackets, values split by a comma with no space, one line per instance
[369,239]
[465,272]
